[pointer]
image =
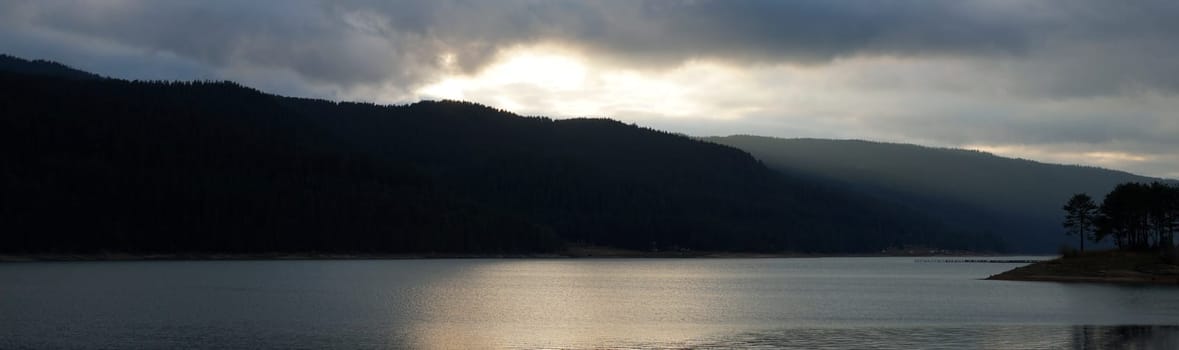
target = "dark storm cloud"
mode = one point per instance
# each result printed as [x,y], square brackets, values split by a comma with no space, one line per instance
[671,31]
[400,42]
[299,36]
[653,33]
[815,31]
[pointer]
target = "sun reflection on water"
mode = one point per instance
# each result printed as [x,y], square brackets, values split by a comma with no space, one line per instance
[562,304]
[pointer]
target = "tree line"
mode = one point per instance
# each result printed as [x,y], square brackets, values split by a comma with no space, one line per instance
[1134,216]
[92,164]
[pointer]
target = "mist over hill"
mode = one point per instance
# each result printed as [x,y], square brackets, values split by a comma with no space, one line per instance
[1018,200]
[91,164]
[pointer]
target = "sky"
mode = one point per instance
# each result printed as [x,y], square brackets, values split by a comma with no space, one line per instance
[1090,82]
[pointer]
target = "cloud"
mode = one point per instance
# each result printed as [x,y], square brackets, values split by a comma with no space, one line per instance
[939,102]
[1058,79]
[1092,45]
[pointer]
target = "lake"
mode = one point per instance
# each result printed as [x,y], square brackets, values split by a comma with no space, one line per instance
[806,303]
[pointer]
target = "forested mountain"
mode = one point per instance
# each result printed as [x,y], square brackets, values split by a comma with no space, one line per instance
[42,67]
[96,164]
[1019,200]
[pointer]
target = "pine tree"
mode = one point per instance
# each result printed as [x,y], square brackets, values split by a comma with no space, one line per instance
[1079,218]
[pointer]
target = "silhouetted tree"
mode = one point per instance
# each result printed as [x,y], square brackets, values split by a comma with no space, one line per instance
[1140,216]
[1164,213]
[1079,219]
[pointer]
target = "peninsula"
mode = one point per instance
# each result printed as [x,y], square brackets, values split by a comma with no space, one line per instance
[1104,266]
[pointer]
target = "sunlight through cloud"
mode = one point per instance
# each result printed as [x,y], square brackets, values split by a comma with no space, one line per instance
[564,83]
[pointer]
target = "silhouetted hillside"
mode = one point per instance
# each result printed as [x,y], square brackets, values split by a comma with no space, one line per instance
[1019,200]
[112,165]
[41,67]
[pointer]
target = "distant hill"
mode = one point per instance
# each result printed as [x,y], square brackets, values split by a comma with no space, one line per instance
[12,64]
[1016,199]
[101,164]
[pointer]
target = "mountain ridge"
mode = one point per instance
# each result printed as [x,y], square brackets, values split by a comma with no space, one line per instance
[138,166]
[940,148]
[1017,198]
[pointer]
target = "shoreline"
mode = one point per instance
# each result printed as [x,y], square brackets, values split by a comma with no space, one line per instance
[278,257]
[1165,280]
[572,253]
[1097,267]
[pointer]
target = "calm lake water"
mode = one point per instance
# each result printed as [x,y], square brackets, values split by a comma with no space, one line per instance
[620,303]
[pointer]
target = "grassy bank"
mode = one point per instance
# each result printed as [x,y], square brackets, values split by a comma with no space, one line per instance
[1101,267]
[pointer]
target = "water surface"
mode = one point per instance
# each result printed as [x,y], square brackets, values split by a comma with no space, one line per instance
[559,303]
